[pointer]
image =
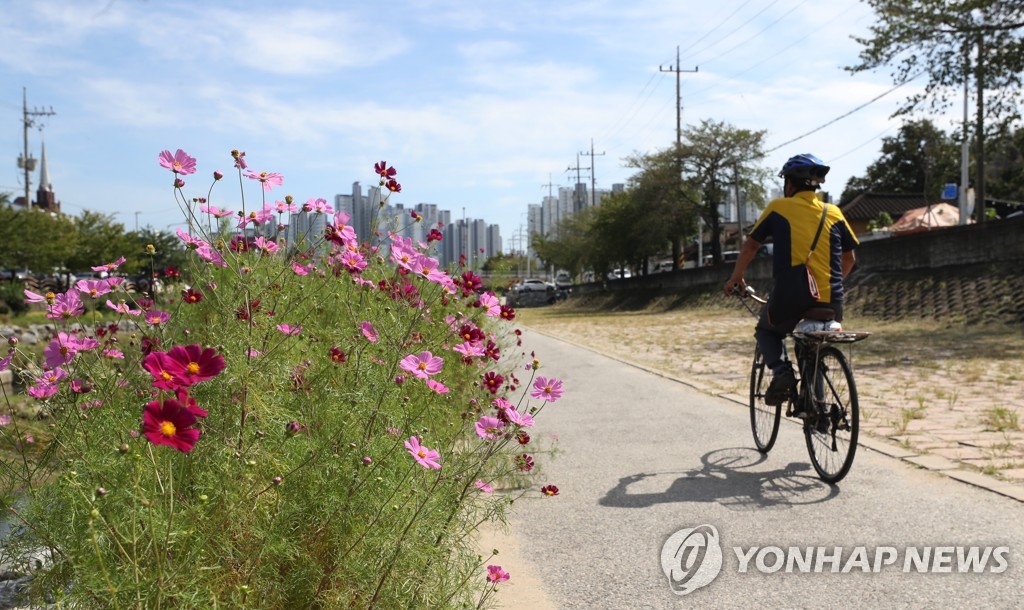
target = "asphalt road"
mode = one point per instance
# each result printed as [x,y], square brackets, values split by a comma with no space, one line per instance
[641,457]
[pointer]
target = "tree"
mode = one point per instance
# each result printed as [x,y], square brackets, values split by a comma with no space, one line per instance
[571,249]
[1005,172]
[713,156]
[936,37]
[100,240]
[35,240]
[920,159]
[670,214]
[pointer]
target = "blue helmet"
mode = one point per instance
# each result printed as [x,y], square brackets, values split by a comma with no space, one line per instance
[805,167]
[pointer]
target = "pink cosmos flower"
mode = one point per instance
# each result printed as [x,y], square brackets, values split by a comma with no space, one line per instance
[93,288]
[488,427]
[35,297]
[491,303]
[299,268]
[5,420]
[110,266]
[484,487]
[114,282]
[353,262]
[122,307]
[403,252]
[268,246]
[437,386]
[268,180]
[179,162]
[423,365]
[51,376]
[468,349]
[547,389]
[6,362]
[318,205]
[495,574]
[282,206]
[66,305]
[520,419]
[79,386]
[428,458]
[211,255]
[42,391]
[369,332]
[215,211]
[192,243]
[61,350]
[113,354]
[155,317]
[288,329]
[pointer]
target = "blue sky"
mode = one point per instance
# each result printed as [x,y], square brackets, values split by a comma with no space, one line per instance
[475,103]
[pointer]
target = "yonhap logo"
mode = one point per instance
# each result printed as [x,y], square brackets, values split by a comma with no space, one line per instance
[691,558]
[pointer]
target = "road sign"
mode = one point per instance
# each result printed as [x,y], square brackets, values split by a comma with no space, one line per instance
[949,192]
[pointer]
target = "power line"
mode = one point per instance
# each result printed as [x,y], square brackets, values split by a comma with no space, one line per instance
[762,31]
[715,29]
[736,29]
[861,145]
[843,116]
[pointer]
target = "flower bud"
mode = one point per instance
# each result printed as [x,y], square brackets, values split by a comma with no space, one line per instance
[100,491]
[217,175]
[277,480]
[12,340]
[150,249]
[367,460]
[178,183]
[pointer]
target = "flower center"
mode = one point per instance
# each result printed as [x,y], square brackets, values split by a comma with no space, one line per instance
[422,453]
[193,368]
[422,366]
[168,429]
[166,376]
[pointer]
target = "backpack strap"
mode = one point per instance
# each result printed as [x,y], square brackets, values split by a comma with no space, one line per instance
[821,224]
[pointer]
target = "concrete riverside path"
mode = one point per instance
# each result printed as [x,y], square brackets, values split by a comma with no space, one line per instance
[641,456]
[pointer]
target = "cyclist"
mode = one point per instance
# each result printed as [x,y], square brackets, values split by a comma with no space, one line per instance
[792,223]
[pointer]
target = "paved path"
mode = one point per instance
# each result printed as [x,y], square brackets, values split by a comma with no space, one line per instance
[642,456]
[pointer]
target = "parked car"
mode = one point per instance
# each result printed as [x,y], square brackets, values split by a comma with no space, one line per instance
[618,274]
[563,280]
[533,292]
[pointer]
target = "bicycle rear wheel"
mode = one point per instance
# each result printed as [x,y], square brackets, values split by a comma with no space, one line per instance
[831,431]
[764,419]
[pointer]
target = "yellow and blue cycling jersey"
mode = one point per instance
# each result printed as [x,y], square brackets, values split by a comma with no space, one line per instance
[791,222]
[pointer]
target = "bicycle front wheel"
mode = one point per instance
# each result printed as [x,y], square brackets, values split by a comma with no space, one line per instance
[831,431]
[764,418]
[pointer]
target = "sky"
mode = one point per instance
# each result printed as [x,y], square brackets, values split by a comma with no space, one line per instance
[478,105]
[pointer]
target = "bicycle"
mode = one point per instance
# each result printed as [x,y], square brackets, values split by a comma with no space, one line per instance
[825,396]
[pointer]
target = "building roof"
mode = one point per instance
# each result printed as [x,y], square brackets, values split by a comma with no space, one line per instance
[867,206]
[934,216]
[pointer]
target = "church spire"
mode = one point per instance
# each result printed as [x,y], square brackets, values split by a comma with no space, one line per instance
[44,172]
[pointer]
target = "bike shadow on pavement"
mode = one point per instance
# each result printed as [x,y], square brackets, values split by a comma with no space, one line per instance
[725,477]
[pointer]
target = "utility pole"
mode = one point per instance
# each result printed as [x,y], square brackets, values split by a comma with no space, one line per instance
[739,205]
[965,146]
[979,188]
[593,172]
[575,192]
[550,185]
[679,99]
[679,167]
[26,162]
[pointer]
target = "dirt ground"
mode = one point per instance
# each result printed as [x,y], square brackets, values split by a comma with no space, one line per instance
[950,390]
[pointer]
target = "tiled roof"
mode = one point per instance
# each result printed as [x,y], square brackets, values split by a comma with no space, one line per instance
[867,206]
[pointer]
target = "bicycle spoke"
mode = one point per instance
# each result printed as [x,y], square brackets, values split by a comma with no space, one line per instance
[832,432]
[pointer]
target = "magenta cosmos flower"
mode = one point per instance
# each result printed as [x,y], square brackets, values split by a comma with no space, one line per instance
[437,386]
[495,574]
[423,365]
[166,422]
[428,458]
[369,332]
[179,163]
[547,389]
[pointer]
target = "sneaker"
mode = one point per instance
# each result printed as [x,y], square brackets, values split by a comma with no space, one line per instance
[781,387]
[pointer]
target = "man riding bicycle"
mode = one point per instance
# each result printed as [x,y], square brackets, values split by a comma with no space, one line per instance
[807,233]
